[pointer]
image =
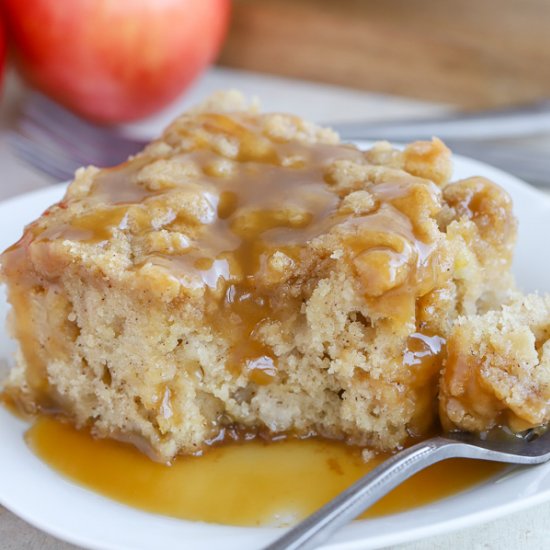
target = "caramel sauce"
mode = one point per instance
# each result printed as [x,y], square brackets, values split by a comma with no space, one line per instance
[250,483]
[233,216]
[95,227]
[232,220]
[423,357]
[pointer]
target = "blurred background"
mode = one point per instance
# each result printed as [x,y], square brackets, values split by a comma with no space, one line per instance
[133,65]
[80,74]
[469,53]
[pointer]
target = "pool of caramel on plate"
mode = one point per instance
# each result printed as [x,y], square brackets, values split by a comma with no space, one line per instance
[248,483]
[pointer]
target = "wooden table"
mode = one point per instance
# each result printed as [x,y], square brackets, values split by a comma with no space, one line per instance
[468,52]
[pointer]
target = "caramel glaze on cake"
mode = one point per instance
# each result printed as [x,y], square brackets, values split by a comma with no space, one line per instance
[249,274]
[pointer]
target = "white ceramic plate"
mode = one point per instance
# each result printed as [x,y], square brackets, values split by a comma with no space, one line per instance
[39,495]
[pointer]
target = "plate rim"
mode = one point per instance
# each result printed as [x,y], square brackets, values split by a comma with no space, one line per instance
[45,195]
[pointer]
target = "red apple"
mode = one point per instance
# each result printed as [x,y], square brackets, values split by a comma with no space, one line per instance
[2,50]
[114,60]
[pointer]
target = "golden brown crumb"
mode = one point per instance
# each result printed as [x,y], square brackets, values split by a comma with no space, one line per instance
[497,369]
[249,270]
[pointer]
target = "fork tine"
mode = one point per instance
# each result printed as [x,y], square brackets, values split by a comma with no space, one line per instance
[72,135]
[55,165]
[46,138]
[68,142]
[98,144]
[57,142]
[48,112]
[39,138]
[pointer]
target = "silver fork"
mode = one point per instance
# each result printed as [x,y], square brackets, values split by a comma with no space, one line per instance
[57,142]
[532,448]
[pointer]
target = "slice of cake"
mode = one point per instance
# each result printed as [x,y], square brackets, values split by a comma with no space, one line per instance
[248,274]
[497,368]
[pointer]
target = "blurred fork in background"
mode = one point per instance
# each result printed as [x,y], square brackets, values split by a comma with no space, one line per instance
[57,142]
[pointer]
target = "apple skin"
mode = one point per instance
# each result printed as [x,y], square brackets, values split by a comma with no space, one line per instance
[2,51]
[114,60]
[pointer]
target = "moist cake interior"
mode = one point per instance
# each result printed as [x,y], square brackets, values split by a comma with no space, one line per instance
[248,274]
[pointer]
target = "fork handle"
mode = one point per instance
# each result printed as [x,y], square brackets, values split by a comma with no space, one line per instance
[519,121]
[366,491]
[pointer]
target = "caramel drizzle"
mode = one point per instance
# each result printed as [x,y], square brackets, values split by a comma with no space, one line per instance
[278,199]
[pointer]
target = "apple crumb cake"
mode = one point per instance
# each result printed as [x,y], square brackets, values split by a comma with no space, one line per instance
[249,274]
